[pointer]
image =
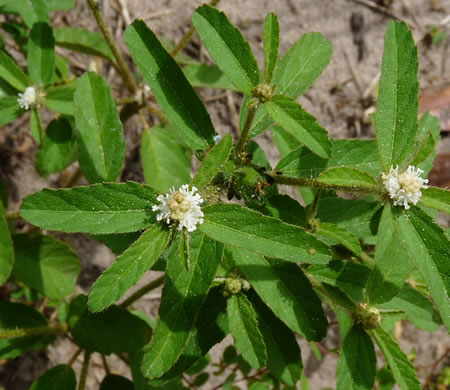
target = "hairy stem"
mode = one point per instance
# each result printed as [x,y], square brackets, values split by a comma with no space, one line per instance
[314,183]
[183,42]
[124,71]
[84,370]
[39,331]
[252,107]
[142,291]
[311,214]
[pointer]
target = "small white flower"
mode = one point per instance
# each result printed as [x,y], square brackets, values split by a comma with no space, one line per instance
[27,99]
[217,139]
[182,207]
[404,187]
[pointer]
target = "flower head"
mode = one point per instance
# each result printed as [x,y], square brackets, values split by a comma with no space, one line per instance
[181,207]
[27,99]
[404,187]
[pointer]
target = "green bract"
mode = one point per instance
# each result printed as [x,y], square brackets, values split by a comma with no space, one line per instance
[238,257]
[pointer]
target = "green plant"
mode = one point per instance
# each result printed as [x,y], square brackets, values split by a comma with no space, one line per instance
[260,268]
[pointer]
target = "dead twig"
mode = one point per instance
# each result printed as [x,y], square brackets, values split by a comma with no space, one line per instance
[377,8]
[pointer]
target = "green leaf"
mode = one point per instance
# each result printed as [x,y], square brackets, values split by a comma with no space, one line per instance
[45,264]
[212,162]
[114,330]
[302,64]
[271,44]
[60,5]
[41,54]
[357,362]
[428,124]
[392,264]
[349,277]
[100,132]
[60,377]
[286,290]
[227,46]
[58,148]
[83,41]
[182,298]
[429,250]
[60,99]
[348,177]
[210,328]
[11,73]
[284,141]
[397,106]
[99,209]
[424,151]
[295,73]
[6,248]
[165,161]
[116,382]
[301,125]
[244,328]
[175,95]
[15,316]
[438,198]
[207,76]
[284,358]
[341,235]
[9,109]
[37,131]
[401,367]
[30,11]
[129,267]
[417,308]
[236,225]
[118,243]
[354,153]
[356,215]
[285,208]
[6,89]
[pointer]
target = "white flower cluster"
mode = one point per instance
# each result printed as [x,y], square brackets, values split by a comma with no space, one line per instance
[404,187]
[182,207]
[27,99]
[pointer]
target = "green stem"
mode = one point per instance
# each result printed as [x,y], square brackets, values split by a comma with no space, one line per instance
[311,214]
[74,357]
[314,183]
[125,72]
[13,215]
[252,107]
[142,291]
[367,259]
[183,42]
[84,370]
[39,331]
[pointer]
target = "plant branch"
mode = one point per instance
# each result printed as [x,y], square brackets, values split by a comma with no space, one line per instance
[183,42]
[13,215]
[39,331]
[124,71]
[314,183]
[84,370]
[252,107]
[142,291]
[74,357]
